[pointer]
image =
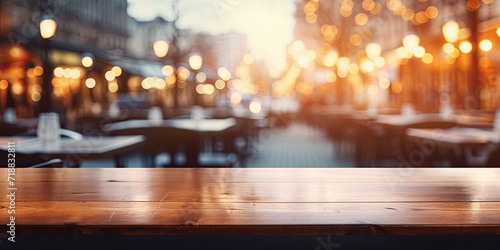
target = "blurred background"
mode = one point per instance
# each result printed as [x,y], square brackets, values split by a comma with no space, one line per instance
[320,74]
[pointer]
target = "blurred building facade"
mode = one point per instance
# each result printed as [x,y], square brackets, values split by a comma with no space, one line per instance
[468,80]
[97,29]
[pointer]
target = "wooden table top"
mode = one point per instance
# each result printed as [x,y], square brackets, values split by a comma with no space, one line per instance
[457,136]
[202,125]
[409,120]
[195,201]
[400,120]
[87,148]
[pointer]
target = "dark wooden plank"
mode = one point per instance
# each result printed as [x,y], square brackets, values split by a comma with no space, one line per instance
[216,218]
[255,201]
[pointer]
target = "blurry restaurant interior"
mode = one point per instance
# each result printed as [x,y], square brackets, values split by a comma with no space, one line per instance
[297,83]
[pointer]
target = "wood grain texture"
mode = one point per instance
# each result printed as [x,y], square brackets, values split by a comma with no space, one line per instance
[256,201]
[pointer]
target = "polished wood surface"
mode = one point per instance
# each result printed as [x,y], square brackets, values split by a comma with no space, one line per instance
[87,148]
[201,125]
[256,201]
[457,136]
[403,121]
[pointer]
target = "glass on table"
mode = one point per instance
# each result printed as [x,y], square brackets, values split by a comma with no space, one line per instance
[48,129]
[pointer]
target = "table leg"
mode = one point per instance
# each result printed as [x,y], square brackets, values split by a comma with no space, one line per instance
[119,162]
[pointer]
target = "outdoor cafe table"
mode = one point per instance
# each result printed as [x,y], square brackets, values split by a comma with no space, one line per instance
[459,139]
[238,201]
[74,151]
[166,133]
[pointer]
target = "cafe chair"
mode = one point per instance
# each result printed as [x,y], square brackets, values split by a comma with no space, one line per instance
[70,134]
[11,129]
[29,161]
[40,161]
[54,163]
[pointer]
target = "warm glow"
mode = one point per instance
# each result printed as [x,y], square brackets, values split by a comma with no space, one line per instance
[343,63]
[356,39]
[404,52]
[242,71]
[167,70]
[195,62]
[201,77]
[419,51]
[465,47]
[75,74]
[298,46]
[384,83]
[448,48]
[183,74]
[367,66]
[428,58]
[87,61]
[473,5]
[117,71]
[353,68]
[58,72]
[4,84]
[148,83]
[38,71]
[17,89]
[342,73]
[16,51]
[113,87]
[358,88]
[432,12]
[224,74]
[449,60]
[255,107]
[220,84]
[421,17]
[48,28]
[498,31]
[411,41]
[110,76]
[208,89]
[171,79]
[200,89]
[373,50]
[36,88]
[331,77]
[248,59]
[90,83]
[311,18]
[373,89]
[379,61]
[160,83]
[486,45]
[451,31]
[236,98]
[36,96]
[330,58]
[30,73]
[303,61]
[455,54]
[160,48]
[361,19]
[397,88]
[67,73]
